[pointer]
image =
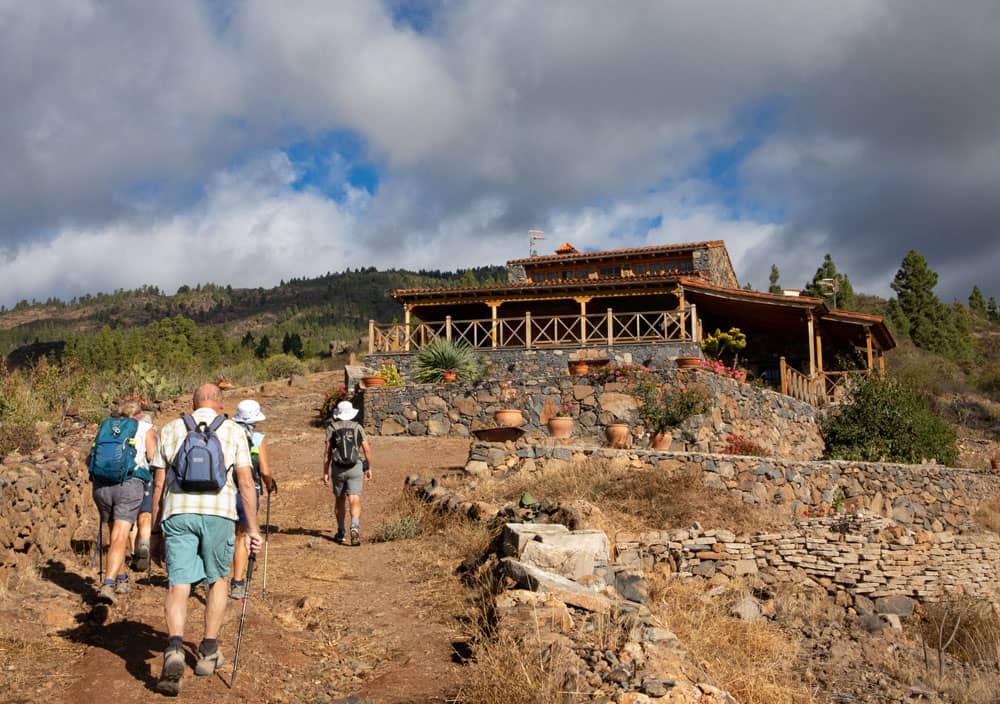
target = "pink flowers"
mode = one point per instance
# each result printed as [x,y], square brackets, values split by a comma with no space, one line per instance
[720,368]
[565,411]
[740,445]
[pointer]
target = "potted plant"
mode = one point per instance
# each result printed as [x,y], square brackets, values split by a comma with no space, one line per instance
[443,360]
[617,435]
[387,375]
[578,367]
[507,415]
[561,421]
[663,408]
[689,362]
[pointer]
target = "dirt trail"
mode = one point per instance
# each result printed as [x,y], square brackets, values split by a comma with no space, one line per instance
[335,620]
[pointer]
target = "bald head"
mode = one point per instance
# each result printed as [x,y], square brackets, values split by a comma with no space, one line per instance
[208,396]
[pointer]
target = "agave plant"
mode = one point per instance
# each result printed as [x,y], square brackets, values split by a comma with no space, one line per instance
[440,355]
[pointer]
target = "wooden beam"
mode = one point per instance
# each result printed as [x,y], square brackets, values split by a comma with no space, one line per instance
[868,346]
[819,351]
[583,300]
[527,330]
[812,346]
[406,320]
[881,364]
[611,327]
[371,336]
[783,372]
[493,321]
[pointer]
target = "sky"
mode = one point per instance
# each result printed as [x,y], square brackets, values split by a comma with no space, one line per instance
[245,142]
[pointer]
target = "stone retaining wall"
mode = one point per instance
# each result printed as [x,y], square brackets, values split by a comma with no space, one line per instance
[862,555]
[779,424]
[931,497]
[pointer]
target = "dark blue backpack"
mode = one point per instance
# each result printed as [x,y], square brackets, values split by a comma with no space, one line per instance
[112,456]
[199,465]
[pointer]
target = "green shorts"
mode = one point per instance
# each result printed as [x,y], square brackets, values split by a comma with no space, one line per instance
[198,548]
[348,481]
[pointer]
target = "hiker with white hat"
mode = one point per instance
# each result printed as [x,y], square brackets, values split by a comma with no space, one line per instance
[248,414]
[345,443]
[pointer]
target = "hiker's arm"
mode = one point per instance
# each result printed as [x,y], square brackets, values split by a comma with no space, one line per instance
[248,493]
[156,533]
[266,478]
[326,462]
[150,444]
[366,448]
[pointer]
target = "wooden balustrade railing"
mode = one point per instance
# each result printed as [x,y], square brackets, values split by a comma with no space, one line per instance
[534,331]
[821,388]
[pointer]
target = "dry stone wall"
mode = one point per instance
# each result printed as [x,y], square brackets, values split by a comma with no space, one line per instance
[930,497]
[779,424]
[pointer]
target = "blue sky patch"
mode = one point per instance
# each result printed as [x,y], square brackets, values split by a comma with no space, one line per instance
[331,161]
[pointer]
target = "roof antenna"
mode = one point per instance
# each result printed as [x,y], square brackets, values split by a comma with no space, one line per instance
[534,236]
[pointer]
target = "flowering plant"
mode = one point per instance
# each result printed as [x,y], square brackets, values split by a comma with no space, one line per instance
[330,402]
[564,411]
[740,445]
[720,368]
[619,372]
[391,374]
[144,402]
[507,392]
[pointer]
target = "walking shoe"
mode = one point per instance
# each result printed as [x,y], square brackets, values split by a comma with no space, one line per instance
[237,590]
[339,538]
[355,535]
[173,671]
[207,664]
[122,586]
[140,558]
[106,594]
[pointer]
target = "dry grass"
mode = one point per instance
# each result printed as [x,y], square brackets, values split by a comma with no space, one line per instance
[638,498]
[988,515]
[753,661]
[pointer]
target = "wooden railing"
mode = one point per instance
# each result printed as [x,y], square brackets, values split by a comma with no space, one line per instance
[821,388]
[530,332]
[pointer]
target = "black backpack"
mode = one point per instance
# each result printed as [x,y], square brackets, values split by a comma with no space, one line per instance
[344,445]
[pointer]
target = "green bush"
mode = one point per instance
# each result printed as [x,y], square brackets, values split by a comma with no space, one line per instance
[280,366]
[441,354]
[886,421]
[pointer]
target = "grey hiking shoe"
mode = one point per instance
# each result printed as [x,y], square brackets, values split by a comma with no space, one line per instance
[355,535]
[106,594]
[237,590]
[140,558]
[207,664]
[173,672]
[122,586]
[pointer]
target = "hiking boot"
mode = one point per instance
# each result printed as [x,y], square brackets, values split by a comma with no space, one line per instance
[207,664]
[355,535]
[339,538]
[173,671]
[140,558]
[122,586]
[237,590]
[106,594]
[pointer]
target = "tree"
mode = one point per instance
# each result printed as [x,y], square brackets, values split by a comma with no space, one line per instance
[248,340]
[292,344]
[832,287]
[976,302]
[991,309]
[917,313]
[263,347]
[774,286]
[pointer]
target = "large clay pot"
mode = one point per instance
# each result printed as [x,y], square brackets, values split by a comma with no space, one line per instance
[661,441]
[617,434]
[995,463]
[508,417]
[561,426]
[372,381]
[578,367]
[689,362]
[498,434]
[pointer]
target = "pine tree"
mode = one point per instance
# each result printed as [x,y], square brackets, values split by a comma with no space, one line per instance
[976,302]
[840,295]
[991,309]
[774,287]
[917,313]
[263,347]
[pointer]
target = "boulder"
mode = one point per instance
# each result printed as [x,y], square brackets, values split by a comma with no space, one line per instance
[898,604]
[517,535]
[563,589]
[571,563]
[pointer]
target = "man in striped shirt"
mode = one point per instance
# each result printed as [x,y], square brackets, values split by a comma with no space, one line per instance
[197,532]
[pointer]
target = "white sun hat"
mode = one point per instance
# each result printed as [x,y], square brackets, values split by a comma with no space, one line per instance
[345,411]
[248,412]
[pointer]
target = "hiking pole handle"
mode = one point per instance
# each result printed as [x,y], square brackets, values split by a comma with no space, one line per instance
[243,617]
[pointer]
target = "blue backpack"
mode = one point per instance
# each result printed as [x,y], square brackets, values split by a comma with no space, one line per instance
[199,465]
[112,456]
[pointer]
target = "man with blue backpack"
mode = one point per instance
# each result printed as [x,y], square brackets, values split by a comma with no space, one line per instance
[119,470]
[202,464]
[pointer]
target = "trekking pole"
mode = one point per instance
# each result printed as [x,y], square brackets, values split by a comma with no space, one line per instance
[243,618]
[267,539]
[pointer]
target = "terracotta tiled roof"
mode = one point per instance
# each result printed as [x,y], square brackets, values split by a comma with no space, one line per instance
[521,285]
[616,252]
[567,248]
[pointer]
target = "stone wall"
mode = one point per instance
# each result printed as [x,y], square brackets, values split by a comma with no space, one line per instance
[866,557]
[931,497]
[779,424]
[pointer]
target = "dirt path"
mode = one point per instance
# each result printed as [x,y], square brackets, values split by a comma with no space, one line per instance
[335,620]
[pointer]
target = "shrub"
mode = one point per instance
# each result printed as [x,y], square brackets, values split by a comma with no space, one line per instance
[619,372]
[283,365]
[441,354]
[665,407]
[330,402]
[740,445]
[391,374]
[886,421]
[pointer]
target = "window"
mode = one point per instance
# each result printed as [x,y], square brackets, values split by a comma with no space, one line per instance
[567,274]
[640,269]
[538,277]
[611,272]
[553,276]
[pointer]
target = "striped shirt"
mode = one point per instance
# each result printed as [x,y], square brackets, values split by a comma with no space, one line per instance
[236,452]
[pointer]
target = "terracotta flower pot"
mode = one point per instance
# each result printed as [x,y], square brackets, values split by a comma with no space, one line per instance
[578,367]
[661,441]
[617,434]
[995,463]
[561,427]
[448,377]
[498,434]
[372,381]
[508,417]
[689,362]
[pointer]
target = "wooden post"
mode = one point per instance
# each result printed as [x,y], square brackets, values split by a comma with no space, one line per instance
[812,347]
[819,352]
[611,327]
[881,364]
[493,322]
[371,336]
[694,323]
[406,319]
[783,373]
[527,330]
[868,346]
[582,300]
[447,328]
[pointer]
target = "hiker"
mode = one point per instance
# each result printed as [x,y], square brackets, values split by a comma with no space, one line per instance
[202,463]
[248,414]
[119,469]
[344,439]
[144,522]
